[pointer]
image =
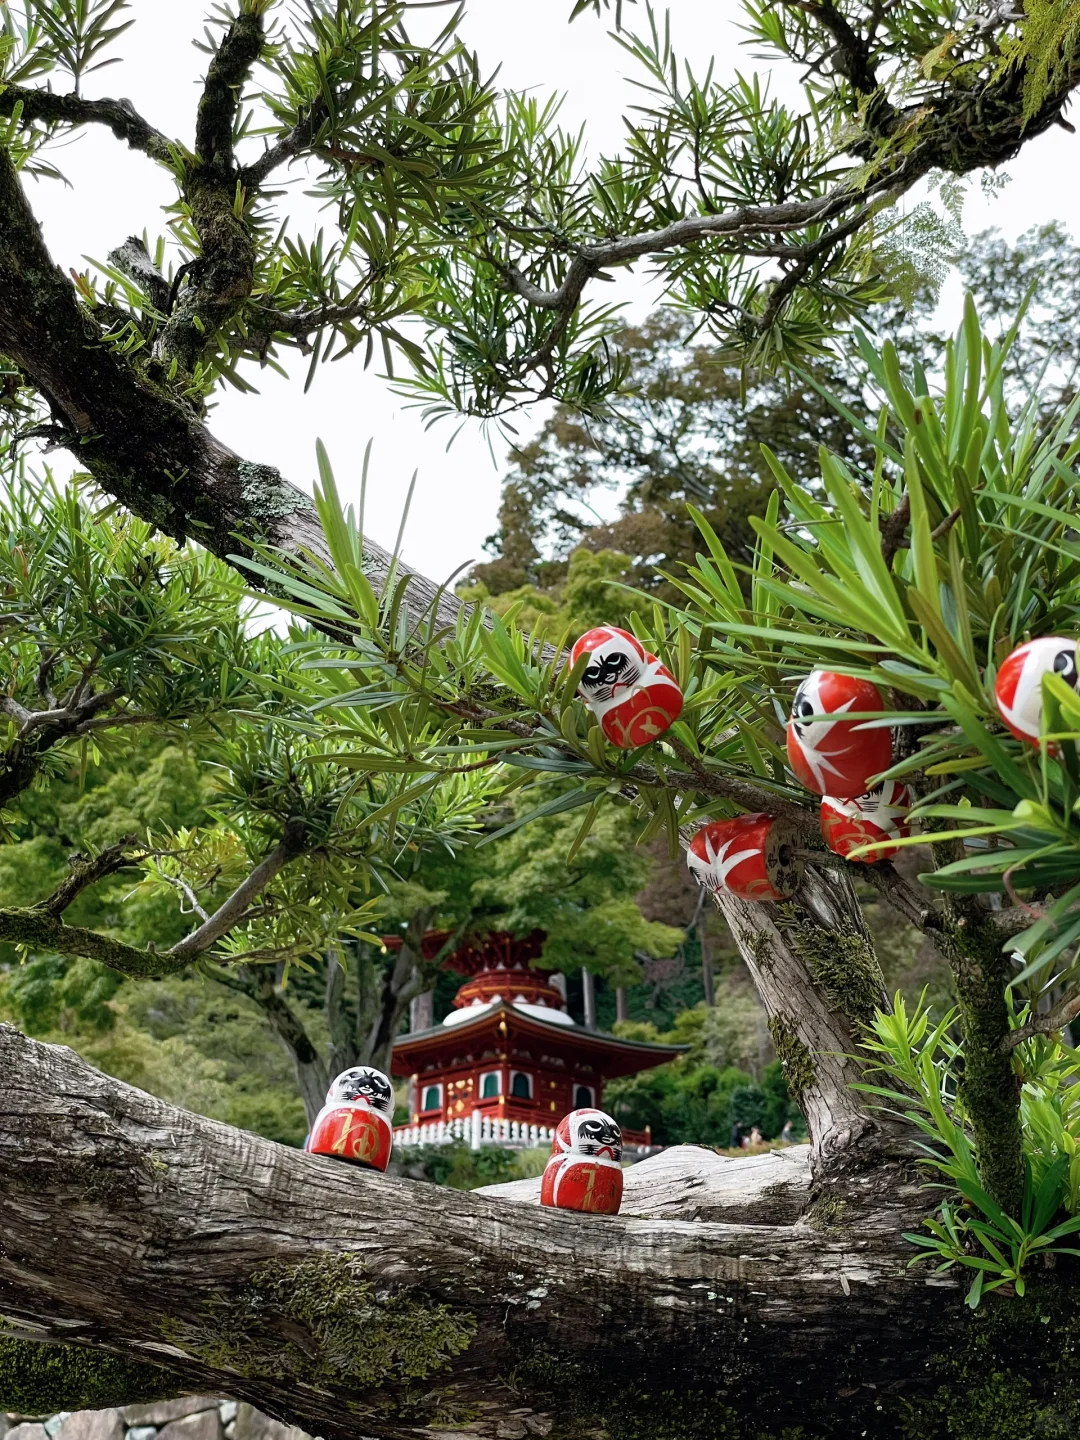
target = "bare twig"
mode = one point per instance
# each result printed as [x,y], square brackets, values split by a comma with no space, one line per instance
[893,529]
[1056,1019]
[291,145]
[850,52]
[85,873]
[946,524]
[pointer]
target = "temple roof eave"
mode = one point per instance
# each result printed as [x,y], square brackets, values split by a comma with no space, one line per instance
[651,1053]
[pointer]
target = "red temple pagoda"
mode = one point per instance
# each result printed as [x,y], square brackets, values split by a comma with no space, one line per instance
[508,1062]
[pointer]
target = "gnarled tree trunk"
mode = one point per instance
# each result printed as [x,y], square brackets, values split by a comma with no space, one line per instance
[813,962]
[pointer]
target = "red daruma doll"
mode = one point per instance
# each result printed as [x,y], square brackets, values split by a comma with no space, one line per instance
[356,1123]
[1018,687]
[584,1171]
[632,695]
[835,756]
[752,856]
[879,815]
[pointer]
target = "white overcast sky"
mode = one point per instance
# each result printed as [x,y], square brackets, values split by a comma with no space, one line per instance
[457,491]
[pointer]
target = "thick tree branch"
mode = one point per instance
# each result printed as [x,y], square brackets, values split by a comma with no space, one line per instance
[41,927]
[85,873]
[240,47]
[353,1304]
[220,279]
[141,444]
[232,911]
[120,116]
[39,930]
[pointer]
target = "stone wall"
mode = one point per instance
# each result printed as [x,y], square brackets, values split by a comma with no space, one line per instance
[196,1417]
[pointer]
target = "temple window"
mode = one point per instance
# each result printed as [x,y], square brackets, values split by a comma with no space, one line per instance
[432,1097]
[583,1096]
[491,1085]
[521,1085]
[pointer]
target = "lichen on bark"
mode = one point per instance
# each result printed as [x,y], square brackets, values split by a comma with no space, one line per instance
[989,1088]
[321,1321]
[266,494]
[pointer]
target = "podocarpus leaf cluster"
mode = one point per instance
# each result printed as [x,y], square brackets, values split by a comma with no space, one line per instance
[470,234]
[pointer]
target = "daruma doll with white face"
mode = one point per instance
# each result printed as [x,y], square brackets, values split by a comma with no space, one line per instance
[1018,687]
[584,1172]
[836,756]
[632,695]
[356,1123]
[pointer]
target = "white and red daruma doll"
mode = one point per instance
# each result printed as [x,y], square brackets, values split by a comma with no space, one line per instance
[632,695]
[356,1123]
[1018,687]
[837,757]
[751,856]
[584,1171]
[879,815]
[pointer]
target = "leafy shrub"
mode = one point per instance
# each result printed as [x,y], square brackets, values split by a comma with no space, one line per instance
[918,1066]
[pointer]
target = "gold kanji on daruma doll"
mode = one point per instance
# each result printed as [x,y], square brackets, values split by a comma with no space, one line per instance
[584,1172]
[633,696]
[881,814]
[356,1123]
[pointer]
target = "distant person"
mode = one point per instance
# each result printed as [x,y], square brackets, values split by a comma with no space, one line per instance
[756,1137]
[787,1134]
[736,1140]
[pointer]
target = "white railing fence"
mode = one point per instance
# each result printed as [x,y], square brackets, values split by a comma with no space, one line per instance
[477,1129]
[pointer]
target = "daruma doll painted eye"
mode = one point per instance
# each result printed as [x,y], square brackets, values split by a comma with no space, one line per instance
[752,856]
[1018,687]
[837,757]
[584,1172]
[879,815]
[632,695]
[356,1123]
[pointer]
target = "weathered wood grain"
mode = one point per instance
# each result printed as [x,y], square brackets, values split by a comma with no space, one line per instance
[357,1304]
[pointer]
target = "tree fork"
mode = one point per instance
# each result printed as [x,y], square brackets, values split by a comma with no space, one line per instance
[140,443]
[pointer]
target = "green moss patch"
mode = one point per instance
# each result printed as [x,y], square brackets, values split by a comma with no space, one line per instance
[43,1379]
[320,1323]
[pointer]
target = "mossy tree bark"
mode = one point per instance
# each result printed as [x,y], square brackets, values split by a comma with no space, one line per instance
[813,963]
[989,1084]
